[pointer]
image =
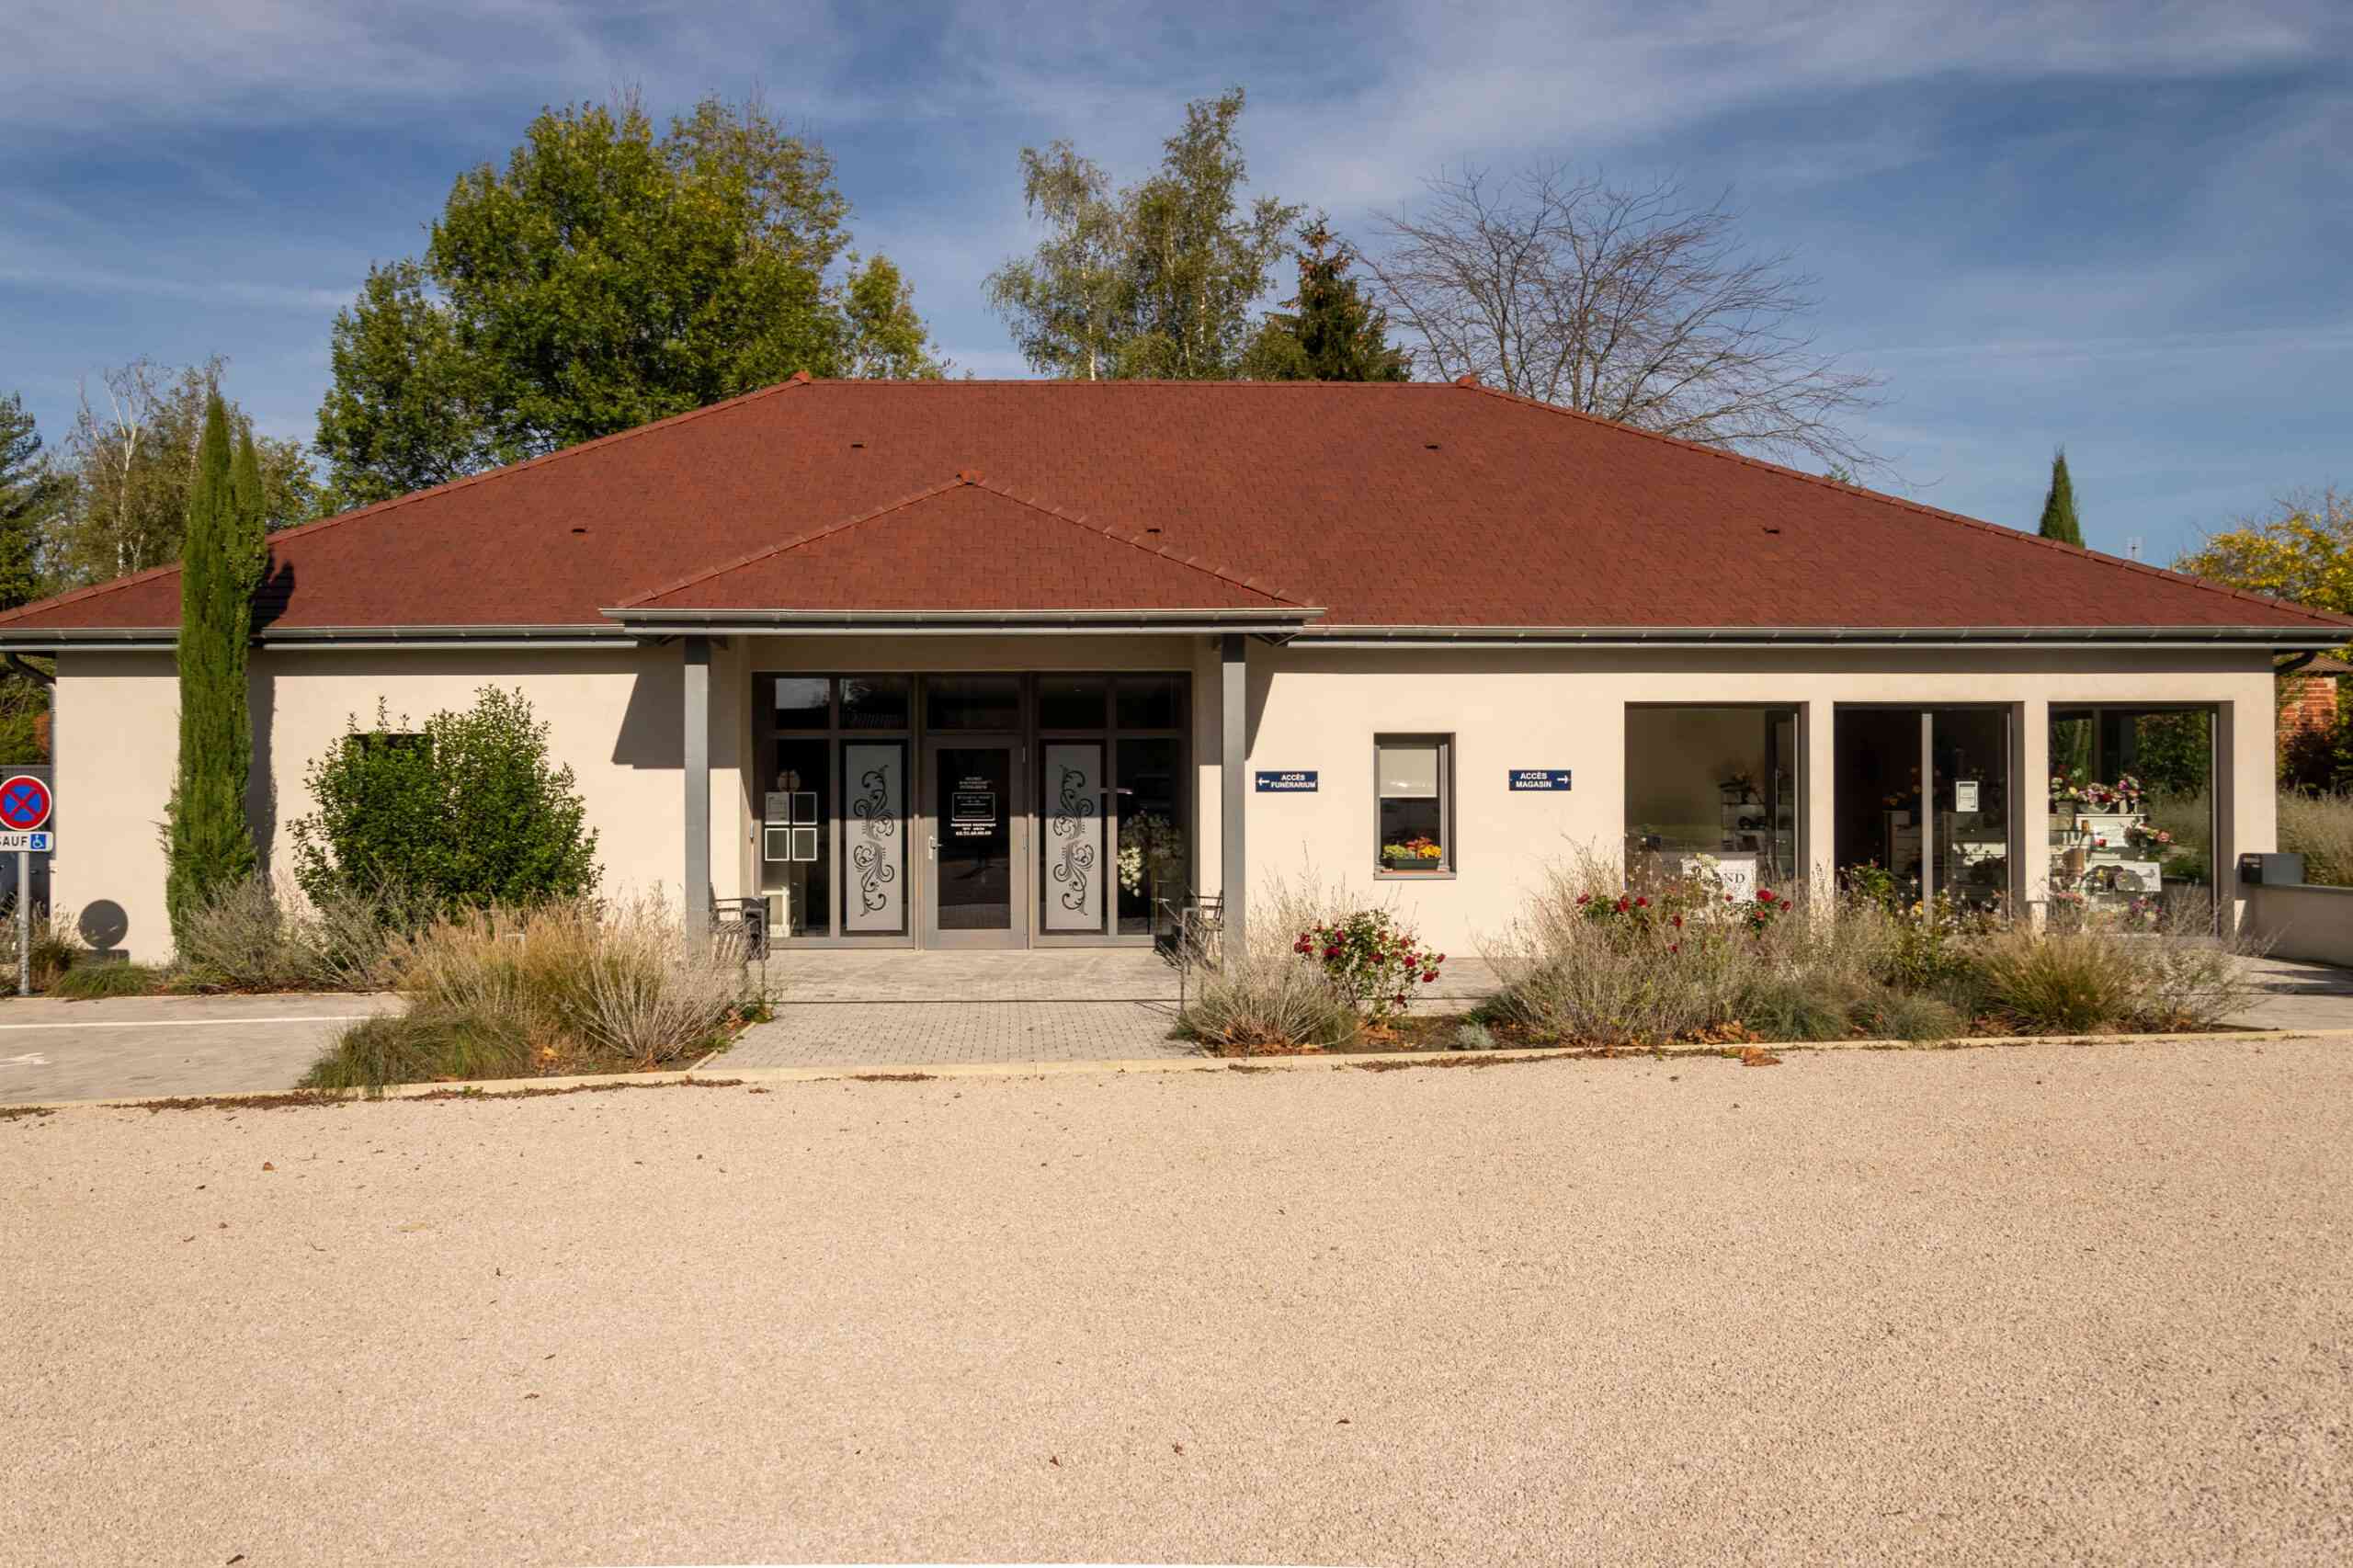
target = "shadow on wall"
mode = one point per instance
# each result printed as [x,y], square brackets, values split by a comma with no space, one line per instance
[261,784]
[652,732]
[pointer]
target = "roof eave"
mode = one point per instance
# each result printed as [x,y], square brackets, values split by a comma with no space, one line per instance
[645,621]
[350,638]
[2280,638]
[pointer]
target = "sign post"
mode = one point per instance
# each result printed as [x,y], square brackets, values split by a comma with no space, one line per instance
[25,805]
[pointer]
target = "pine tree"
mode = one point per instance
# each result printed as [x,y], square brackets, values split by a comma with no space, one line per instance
[210,845]
[1338,335]
[2059,505]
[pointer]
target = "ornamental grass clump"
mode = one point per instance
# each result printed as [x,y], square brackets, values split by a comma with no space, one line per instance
[259,935]
[1593,961]
[568,986]
[1266,997]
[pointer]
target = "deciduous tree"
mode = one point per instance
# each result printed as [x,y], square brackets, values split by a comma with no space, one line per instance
[1160,279]
[608,275]
[1638,305]
[130,463]
[2301,550]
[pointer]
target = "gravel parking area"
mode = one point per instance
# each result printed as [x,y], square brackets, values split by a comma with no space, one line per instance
[2027,1304]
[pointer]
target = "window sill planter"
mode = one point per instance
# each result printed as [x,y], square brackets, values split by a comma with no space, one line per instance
[1410,865]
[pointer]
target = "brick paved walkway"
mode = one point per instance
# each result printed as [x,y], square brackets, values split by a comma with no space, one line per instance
[904,1008]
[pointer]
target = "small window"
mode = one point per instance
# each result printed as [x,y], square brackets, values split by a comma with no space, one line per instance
[1414,787]
[800,702]
[875,702]
[1150,702]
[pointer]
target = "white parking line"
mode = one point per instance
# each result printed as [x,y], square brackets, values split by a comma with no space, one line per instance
[190,1023]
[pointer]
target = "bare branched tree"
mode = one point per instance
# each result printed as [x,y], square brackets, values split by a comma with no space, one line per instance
[1637,305]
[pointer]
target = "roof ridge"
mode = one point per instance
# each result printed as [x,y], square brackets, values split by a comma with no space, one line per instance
[798,378]
[1079,520]
[2017,534]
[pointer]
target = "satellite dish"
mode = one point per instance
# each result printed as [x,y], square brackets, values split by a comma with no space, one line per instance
[104,925]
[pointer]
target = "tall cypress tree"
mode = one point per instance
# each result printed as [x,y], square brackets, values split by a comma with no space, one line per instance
[2059,505]
[210,844]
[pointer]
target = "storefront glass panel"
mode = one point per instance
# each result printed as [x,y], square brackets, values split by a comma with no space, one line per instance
[2130,813]
[1712,789]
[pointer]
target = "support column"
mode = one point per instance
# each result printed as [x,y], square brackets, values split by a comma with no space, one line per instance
[1233,767]
[1818,777]
[2030,816]
[695,684]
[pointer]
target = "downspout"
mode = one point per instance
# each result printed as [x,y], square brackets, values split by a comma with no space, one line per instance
[2291,668]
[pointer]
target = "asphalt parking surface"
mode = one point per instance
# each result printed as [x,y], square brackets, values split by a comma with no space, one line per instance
[2027,1304]
[135,1047]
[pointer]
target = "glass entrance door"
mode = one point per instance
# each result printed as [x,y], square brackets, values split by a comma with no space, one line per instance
[976,845]
[1923,803]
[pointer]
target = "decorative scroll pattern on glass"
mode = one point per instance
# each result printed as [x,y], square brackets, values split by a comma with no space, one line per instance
[1074,836]
[875,894]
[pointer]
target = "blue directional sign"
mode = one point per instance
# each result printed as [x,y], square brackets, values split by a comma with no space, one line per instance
[1292,782]
[1539,779]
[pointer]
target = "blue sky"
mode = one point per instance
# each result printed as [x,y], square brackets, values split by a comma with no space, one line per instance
[2125,227]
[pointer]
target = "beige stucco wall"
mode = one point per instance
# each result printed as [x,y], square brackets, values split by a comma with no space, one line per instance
[2300,920]
[614,716]
[1510,708]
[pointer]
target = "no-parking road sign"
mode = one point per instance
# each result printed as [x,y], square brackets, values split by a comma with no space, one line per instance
[24,803]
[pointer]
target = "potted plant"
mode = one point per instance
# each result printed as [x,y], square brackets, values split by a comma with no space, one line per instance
[1419,853]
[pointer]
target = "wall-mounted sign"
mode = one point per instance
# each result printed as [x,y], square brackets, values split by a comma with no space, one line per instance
[782,841]
[1964,794]
[1293,781]
[1539,779]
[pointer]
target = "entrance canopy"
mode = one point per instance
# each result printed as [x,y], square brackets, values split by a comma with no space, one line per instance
[966,554]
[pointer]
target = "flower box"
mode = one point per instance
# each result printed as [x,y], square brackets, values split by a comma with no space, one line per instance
[1394,859]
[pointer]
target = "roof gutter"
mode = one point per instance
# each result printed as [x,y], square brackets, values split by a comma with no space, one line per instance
[341,639]
[953,623]
[2276,638]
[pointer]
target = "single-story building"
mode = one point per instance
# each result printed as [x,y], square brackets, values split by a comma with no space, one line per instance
[1006,663]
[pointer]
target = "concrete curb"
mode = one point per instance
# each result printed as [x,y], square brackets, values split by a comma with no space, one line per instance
[706,1073]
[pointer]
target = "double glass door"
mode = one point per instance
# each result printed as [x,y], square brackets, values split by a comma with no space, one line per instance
[976,839]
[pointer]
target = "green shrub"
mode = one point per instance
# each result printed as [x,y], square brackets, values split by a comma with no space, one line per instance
[421,1047]
[1370,957]
[96,982]
[467,814]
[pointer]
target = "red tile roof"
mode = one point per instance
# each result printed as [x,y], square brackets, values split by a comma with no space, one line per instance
[984,548]
[1416,505]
